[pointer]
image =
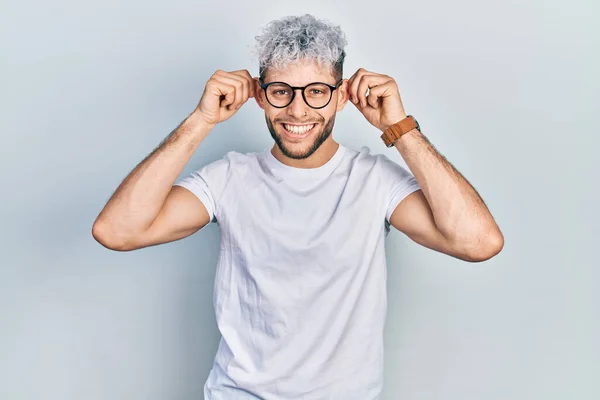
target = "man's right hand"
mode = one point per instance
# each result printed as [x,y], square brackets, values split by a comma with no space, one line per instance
[224,94]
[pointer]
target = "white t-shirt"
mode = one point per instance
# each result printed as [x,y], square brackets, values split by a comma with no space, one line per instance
[300,288]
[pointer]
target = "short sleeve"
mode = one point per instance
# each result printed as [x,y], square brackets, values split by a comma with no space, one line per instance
[398,183]
[208,184]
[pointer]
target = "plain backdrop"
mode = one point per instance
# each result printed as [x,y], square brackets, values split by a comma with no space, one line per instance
[506,91]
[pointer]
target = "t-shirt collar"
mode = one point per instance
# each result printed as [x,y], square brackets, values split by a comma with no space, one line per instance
[321,171]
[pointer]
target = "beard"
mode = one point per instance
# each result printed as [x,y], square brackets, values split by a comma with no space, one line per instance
[318,141]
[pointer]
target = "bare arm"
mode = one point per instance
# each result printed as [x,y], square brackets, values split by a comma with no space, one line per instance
[134,216]
[448,215]
[146,209]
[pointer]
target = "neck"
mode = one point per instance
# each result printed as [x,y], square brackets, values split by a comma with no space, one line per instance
[319,158]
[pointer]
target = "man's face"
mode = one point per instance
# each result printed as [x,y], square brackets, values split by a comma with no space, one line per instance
[288,125]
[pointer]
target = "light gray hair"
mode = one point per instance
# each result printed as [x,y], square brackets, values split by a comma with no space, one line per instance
[290,39]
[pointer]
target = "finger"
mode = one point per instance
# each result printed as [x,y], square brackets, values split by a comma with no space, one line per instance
[223,89]
[238,90]
[351,79]
[245,89]
[361,91]
[363,85]
[369,82]
[373,98]
[247,86]
[248,78]
[220,89]
[240,86]
[353,84]
[349,87]
[377,92]
[360,74]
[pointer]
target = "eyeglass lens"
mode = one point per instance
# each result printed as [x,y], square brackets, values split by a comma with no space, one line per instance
[316,95]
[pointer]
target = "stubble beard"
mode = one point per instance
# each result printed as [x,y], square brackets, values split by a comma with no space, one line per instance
[318,141]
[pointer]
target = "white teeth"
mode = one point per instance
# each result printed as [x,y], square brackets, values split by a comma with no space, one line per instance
[298,129]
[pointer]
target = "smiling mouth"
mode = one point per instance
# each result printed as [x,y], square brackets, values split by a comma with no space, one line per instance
[298,130]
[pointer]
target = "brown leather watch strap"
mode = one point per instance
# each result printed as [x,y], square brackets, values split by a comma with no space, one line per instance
[394,132]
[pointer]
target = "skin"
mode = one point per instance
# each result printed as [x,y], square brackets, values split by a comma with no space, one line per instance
[447,215]
[316,149]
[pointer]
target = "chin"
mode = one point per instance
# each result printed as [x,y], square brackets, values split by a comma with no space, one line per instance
[304,141]
[299,146]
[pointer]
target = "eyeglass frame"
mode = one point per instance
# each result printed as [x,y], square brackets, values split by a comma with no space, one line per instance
[264,86]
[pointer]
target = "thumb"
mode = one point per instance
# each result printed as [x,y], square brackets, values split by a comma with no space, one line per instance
[356,103]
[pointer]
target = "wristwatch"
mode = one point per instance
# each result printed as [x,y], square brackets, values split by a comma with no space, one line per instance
[393,133]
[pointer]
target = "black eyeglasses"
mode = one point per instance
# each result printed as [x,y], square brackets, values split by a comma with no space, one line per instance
[316,95]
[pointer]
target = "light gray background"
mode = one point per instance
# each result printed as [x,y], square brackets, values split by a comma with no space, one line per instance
[507,91]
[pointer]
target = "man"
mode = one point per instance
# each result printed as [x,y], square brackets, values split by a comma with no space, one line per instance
[300,284]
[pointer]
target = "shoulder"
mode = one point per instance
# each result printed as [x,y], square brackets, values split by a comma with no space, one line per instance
[242,158]
[361,156]
[386,170]
[364,157]
[236,157]
[231,161]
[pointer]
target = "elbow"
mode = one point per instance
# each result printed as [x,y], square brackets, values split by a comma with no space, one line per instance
[103,234]
[486,249]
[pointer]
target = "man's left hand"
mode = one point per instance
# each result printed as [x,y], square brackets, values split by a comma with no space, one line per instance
[383,106]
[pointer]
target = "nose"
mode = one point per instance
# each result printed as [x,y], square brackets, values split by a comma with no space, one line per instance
[298,108]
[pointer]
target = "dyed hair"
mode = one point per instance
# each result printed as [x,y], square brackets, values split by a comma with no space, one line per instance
[290,39]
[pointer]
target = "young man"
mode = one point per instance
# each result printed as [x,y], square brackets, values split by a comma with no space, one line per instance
[300,295]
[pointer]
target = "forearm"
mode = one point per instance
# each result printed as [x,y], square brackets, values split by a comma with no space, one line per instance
[138,199]
[459,212]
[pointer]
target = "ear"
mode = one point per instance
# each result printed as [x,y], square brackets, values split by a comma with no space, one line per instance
[258,94]
[343,95]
